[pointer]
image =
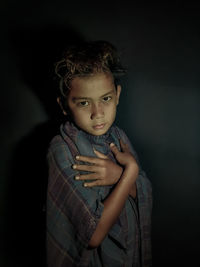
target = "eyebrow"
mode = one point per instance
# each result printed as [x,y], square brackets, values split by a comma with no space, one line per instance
[88,98]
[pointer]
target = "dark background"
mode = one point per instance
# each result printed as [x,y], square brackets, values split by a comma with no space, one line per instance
[159,110]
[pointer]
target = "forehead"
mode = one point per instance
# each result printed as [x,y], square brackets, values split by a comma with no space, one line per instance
[93,85]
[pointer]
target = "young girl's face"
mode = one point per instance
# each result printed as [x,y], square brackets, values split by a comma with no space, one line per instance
[92,102]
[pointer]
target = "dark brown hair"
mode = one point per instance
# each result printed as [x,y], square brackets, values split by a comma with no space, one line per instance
[86,59]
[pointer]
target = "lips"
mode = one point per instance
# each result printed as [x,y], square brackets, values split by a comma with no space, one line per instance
[99,126]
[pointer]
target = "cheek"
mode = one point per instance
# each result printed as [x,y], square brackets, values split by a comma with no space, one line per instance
[80,115]
[110,109]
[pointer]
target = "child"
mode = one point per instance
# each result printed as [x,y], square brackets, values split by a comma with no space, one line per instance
[98,200]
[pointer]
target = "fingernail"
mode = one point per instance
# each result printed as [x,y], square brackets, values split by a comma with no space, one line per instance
[94,150]
[85,185]
[77,157]
[112,144]
[74,166]
[77,177]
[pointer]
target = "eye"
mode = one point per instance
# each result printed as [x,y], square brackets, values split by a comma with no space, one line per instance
[83,103]
[107,98]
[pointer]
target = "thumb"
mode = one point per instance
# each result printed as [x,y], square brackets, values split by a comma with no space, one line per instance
[99,154]
[114,149]
[124,146]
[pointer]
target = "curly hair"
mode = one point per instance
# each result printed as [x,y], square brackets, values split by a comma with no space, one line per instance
[86,59]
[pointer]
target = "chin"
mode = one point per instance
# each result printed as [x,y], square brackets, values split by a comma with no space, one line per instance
[99,132]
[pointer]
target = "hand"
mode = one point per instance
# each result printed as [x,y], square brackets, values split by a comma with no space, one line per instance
[103,170]
[125,157]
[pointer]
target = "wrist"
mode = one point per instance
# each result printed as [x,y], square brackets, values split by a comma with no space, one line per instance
[131,172]
[132,166]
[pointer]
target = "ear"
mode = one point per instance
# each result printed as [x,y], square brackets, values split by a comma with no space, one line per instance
[118,92]
[61,106]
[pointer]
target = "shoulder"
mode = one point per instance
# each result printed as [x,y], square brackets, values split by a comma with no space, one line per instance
[60,151]
[56,140]
[57,143]
[120,133]
[63,139]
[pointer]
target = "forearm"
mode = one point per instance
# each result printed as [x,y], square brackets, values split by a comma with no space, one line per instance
[114,204]
[133,191]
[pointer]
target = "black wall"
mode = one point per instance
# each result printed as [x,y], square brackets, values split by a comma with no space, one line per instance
[159,110]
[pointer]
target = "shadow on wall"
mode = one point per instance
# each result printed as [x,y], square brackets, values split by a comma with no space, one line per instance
[36,50]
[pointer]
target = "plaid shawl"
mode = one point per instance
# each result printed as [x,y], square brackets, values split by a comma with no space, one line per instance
[73,211]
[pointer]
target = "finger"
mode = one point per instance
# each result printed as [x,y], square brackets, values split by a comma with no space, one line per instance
[100,155]
[95,183]
[89,168]
[114,149]
[91,176]
[91,160]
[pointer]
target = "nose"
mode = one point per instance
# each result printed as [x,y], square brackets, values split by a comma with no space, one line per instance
[97,111]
